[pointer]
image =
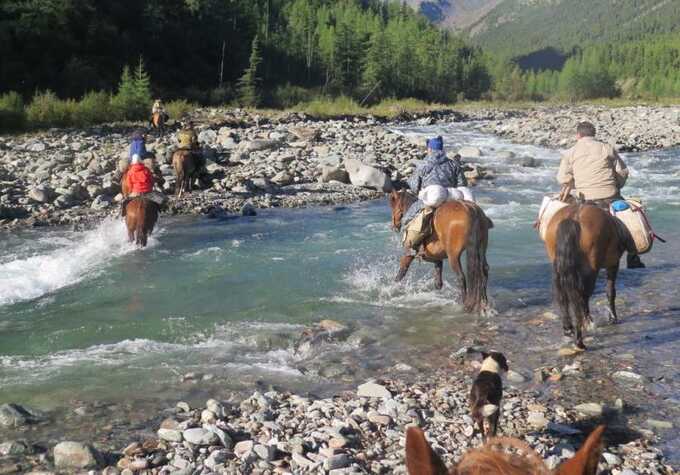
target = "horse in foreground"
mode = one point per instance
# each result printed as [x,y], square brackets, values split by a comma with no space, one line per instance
[457,226]
[141,215]
[580,240]
[186,168]
[493,458]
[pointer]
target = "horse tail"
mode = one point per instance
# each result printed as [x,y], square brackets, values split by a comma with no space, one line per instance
[477,266]
[568,274]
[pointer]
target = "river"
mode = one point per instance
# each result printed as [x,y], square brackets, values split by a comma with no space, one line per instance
[215,305]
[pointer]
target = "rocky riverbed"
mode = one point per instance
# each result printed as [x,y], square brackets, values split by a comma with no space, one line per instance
[628,128]
[356,431]
[72,176]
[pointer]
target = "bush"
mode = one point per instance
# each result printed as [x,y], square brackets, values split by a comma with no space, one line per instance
[177,109]
[289,95]
[12,115]
[93,108]
[47,110]
[221,95]
[327,107]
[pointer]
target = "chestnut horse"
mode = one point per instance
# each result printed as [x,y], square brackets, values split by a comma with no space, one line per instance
[158,122]
[493,459]
[457,226]
[140,216]
[184,163]
[580,240]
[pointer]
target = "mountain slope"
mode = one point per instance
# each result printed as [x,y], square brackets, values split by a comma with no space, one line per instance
[516,27]
[455,14]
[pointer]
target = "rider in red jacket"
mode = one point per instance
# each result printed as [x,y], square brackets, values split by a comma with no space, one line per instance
[139,178]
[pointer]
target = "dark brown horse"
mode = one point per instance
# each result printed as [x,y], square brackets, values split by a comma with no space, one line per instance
[186,168]
[494,459]
[158,122]
[580,240]
[457,226]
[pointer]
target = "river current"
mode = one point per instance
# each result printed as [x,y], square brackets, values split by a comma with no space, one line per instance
[85,317]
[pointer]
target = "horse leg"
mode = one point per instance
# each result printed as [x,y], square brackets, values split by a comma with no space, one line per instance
[612,273]
[404,264]
[438,282]
[454,262]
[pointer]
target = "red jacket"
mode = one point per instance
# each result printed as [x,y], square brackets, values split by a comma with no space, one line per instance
[139,179]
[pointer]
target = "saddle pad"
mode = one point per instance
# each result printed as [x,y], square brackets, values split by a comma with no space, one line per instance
[636,223]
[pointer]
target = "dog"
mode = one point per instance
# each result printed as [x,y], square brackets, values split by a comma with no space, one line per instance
[487,392]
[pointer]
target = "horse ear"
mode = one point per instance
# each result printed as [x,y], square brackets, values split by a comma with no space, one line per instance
[586,459]
[420,458]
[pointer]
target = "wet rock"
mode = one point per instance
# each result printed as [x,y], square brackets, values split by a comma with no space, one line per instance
[248,210]
[14,415]
[74,456]
[515,377]
[537,420]
[373,390]
[590,409]
[367,176]
[657,424]
[470,152]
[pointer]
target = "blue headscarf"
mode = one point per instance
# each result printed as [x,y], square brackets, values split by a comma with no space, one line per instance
[436,143]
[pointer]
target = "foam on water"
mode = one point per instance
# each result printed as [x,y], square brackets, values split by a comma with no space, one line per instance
[77,256]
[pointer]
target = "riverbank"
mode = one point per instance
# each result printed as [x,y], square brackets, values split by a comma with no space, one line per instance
[356,431]
[70,177]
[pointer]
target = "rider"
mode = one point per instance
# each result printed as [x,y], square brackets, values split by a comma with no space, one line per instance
[159,108]
[188,139]
[436,169]
[596,172]
[139,180]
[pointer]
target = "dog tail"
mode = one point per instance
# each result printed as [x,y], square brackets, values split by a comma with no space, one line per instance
[488,410]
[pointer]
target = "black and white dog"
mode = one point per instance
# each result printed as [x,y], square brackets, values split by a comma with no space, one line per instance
[487,392]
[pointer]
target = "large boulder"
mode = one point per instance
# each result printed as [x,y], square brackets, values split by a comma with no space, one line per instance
[367,176]
[333,173]
[74,456]
[470,152]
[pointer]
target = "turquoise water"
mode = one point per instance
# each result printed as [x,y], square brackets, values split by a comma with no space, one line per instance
[84,315]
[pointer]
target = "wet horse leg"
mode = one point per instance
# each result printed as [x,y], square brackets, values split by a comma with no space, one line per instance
[612,273]
[454,262]
[404,264]
[438,281]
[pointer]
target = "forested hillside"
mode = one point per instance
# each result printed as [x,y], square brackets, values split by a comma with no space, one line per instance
[201,49]
[517,27]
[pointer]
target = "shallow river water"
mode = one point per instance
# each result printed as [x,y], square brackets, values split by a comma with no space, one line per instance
[86,318]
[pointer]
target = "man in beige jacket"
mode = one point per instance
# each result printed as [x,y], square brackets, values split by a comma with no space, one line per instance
[595,171]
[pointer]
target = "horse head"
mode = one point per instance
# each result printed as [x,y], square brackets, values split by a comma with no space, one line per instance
[400,201]
[493,458]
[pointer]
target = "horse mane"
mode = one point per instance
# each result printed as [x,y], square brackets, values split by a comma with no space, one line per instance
[501,455]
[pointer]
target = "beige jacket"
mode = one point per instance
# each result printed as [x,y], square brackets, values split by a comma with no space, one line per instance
[595,168]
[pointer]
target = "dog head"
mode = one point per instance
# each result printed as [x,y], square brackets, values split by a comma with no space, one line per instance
[494,361]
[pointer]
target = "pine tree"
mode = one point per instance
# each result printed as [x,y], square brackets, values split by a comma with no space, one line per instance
[124,100]
[142,86]
[250,82]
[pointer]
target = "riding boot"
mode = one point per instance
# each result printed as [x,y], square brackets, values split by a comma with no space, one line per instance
[634,262]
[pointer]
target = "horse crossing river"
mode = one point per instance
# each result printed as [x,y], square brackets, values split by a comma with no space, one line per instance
[87,316]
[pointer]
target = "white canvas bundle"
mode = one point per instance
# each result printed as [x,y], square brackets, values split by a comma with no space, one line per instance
[433,195]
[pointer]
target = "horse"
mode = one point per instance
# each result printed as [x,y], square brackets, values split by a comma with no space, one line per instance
[140,216]
[580,240]
[158,122]
[186,168]
[493,459]
[457,226]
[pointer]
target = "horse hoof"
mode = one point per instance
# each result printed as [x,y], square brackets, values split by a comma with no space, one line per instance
[580,346]
[568,331]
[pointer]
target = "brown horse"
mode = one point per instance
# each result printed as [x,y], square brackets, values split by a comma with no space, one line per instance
[457,226]
[186,169]
[158,122]
[493,459]
[140,216]
[580,240]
